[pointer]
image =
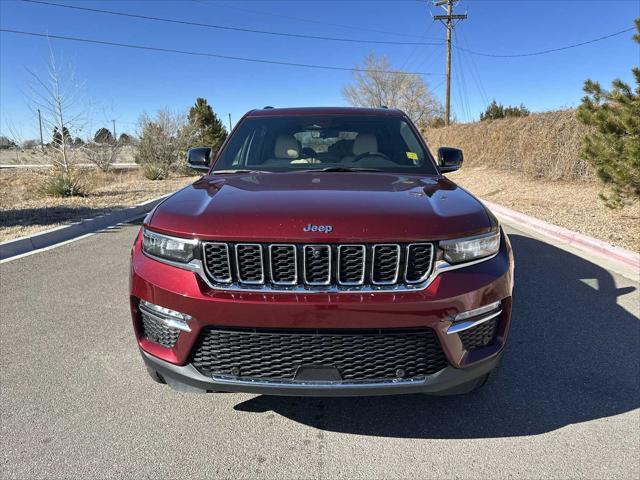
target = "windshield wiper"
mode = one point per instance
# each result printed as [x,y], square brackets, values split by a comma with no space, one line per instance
[223,172]
[342,169]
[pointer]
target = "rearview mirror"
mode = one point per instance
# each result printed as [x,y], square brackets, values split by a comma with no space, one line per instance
[449,159]
[199,158]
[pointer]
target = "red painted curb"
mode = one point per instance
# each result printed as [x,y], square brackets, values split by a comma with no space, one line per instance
[578,240]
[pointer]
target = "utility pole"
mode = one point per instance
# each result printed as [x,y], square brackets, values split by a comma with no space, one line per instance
[229,123]
[40,122]
[114,131]
[449,21]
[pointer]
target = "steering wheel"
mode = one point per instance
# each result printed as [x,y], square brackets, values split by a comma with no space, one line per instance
[357,158]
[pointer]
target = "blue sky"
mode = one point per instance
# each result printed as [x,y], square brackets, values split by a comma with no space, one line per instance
[123,83]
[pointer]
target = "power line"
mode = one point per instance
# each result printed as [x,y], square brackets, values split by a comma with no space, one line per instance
[542,52]
[462,90]
[324,38]
[438,85]
[475,72]
[207,54]
[415,49]
[300,19]
[224,27]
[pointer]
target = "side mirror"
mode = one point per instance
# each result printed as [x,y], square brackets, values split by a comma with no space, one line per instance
[199,158]
[449,159]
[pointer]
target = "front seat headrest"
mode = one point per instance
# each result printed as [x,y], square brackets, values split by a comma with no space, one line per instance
[365,143]
[286,147]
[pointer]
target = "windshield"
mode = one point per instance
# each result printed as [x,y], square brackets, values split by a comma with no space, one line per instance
[332,143]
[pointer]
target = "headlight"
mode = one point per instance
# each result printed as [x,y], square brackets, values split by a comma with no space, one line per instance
[171,248]
[471,248]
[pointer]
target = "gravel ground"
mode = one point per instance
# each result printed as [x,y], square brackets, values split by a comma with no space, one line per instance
[573,205]
[24,210]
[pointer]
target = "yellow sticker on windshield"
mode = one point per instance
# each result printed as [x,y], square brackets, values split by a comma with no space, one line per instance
[412,155]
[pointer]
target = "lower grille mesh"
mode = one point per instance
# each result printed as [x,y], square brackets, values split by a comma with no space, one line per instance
[359,356]
[158,332]
[479,336]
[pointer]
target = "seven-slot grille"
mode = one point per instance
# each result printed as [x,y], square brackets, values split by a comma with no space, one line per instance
[316,266]
[364,355]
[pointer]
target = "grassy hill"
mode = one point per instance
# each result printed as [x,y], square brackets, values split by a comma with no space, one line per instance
[541,145]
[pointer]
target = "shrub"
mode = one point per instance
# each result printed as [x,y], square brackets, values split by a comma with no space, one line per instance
[29,144]
[183,168]
[496,110]
[163,141]
[103,155]
[6,143]
[153,171]
[61,184]
[613,149]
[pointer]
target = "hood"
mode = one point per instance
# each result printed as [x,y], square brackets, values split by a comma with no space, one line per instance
[358,207]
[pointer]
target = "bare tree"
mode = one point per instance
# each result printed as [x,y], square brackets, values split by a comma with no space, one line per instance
[58,97]
[162,143]
[377,84]
[103,155]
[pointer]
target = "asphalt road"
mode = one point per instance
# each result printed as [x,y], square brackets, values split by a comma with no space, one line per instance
[76,401]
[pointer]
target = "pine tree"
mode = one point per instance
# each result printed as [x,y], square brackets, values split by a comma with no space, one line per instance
[125,139]
[613,148]
[57,138]
[210,131]
[103,135]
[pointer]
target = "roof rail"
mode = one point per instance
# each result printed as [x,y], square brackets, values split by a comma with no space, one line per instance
[268,107]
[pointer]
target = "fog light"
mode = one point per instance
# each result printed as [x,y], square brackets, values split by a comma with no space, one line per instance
[171,318]
[477,312]
[471,318]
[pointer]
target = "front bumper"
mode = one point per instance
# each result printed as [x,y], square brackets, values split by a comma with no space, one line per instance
[434,308]
[186,378]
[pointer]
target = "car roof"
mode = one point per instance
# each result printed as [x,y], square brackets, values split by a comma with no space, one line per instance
[305,111]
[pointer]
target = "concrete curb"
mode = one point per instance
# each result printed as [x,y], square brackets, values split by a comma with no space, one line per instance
[115,166]
[569,237]
[37,241]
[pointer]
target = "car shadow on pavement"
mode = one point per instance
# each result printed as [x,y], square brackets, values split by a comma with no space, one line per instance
[573,355]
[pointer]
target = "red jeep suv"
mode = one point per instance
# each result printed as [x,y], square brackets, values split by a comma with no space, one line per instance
[322,253]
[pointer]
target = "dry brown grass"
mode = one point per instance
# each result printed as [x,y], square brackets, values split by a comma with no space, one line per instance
[35,156]
[570,204]
[543,145]
[25,210]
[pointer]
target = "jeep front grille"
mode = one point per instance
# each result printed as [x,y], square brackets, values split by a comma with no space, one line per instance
[317,267]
